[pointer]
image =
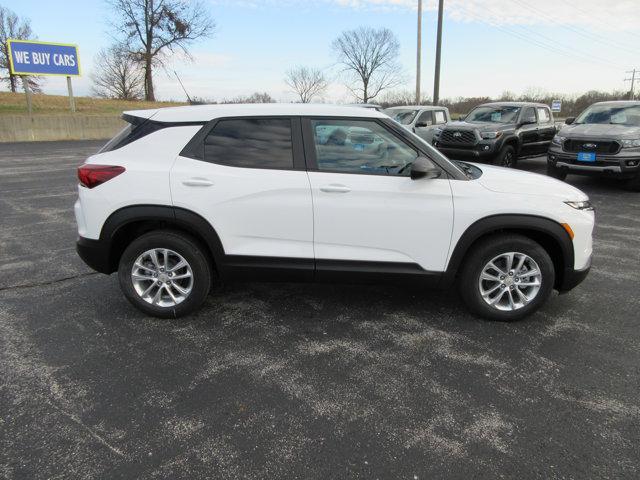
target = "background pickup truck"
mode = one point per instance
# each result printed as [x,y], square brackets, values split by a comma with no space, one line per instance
[422,120]
[499,133]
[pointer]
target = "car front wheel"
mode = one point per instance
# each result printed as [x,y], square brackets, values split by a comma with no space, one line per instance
[555,172]
[165,274]
[506,277]
[507,157]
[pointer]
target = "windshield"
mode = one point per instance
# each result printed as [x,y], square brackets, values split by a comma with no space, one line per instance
[617,115]
[404,117]
[493,114]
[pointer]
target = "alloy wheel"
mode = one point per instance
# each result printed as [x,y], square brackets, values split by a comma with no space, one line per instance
[510,281]
[162,277]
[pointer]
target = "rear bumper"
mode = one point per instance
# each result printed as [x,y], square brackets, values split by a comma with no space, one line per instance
[95,253]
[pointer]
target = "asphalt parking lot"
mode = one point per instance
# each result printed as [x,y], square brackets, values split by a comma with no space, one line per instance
[299,381]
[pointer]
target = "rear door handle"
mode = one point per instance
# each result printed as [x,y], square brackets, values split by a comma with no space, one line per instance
[197,182]
[334,188]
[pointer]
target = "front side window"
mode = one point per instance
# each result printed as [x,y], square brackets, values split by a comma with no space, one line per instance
[529,115]
[497,114]
[360,146]
[251,143]
[425,118]
[403,116]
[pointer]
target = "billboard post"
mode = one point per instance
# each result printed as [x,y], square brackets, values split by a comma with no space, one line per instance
[31,57]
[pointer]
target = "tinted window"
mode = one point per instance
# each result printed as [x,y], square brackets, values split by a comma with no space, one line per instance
[611,114]
[138,128]
[425,118]
[543,115]
[440,117]
[529,115]
[360,146]
[251,143]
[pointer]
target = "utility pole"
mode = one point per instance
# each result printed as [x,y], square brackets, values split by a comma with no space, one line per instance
[633,81]
[436,80]
[419,58]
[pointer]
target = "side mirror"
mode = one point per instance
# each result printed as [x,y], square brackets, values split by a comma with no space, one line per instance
[570,120]
[422,124]
[461,118]
[422,167]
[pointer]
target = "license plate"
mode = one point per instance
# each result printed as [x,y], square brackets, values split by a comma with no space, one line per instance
[587,156]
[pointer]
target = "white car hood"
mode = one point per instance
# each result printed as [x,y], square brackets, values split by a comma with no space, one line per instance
[507,180]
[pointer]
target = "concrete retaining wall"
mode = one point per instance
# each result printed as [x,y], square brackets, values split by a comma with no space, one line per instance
[22,128]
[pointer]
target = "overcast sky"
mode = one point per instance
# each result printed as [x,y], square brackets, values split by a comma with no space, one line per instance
[566,46]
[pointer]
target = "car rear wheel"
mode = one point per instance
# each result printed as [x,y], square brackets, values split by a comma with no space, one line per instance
[165,274]
[507,157]
[506,277]
[555,172]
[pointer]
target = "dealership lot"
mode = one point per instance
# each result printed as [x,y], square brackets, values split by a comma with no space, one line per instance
[300,381]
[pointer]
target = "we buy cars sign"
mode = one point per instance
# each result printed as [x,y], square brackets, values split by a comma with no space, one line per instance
[29,57]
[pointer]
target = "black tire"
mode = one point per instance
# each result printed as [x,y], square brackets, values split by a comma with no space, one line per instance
[633,184]
[507,157]
[184,245]
[486,250]
[555,172]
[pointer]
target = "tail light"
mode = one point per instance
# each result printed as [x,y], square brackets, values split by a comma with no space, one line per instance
[91,175]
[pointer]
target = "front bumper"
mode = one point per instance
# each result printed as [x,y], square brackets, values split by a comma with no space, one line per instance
[480,151]
[95,253]
[621,165]
[572,278]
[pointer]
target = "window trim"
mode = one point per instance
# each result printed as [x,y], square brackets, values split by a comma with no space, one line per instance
[195,147]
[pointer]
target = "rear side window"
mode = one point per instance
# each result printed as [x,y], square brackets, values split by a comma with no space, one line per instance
[543,115]
[251,143]
[439,117]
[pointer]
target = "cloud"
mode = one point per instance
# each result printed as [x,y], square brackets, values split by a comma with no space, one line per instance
[593,14]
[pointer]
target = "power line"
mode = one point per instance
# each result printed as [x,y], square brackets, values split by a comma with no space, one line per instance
[589,15]
[568,53]
[579,31]
[548,43]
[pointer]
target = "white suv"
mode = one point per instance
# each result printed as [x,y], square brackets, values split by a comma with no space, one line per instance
[190,196]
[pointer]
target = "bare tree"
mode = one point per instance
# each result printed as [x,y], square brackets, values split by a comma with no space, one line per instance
[257,97]
[370,58]
[118,75]
[153,27]
[306,82]
[12,26]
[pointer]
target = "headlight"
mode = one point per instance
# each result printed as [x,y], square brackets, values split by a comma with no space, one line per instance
[437,132]
[558,140]
[631,143]
[488,135]
[584,205]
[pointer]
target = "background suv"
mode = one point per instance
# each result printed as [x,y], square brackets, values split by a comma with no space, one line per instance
[190,196]
[603,140]
[499,133]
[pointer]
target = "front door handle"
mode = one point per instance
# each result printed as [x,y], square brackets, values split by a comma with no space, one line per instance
[197,182]
[335,188]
